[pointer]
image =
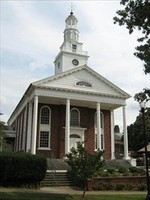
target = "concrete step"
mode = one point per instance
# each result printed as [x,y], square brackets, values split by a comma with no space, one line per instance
[57,178]
[57,164]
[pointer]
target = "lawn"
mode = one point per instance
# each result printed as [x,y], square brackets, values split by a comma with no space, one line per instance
[47,196]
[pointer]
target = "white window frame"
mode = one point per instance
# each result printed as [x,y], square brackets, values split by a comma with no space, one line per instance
[78,117]
[46,128]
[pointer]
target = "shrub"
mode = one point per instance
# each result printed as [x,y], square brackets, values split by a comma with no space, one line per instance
[120,186]
[99,186]
[104,186]
[123,170]
[17,169]
[111,170]
[133,169]
[142,187]
[129,186]
[142,171]
[109,186]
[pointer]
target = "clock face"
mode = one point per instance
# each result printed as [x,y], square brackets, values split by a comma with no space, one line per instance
[75,62]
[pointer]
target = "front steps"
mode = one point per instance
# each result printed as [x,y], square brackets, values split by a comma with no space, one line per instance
[57,178]
[57,172]
[57,164]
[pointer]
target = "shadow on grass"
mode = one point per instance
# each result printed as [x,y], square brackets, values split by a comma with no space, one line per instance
[47,196]
[33,196]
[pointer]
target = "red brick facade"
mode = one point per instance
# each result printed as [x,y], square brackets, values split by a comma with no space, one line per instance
[86,121]
[57,138]
[116,180]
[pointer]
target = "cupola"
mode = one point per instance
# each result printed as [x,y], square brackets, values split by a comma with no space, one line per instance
[71,54]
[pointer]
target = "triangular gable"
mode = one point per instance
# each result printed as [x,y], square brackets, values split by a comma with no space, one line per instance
[82,79]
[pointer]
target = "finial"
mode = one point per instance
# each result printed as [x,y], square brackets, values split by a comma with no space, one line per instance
[71,13]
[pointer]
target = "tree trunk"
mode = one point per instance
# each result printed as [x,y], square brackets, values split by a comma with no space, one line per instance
[83,195]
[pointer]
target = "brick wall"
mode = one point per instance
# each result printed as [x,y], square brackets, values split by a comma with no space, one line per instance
[116,180]
[58,113]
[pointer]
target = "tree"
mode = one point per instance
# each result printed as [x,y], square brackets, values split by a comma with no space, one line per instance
[135,132]
[84,165]
[2,135]
[143,96]
[136,14]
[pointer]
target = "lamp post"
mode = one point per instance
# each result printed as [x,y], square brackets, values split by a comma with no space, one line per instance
[143,106]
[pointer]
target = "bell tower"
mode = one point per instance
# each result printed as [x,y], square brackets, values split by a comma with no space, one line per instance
[71,54]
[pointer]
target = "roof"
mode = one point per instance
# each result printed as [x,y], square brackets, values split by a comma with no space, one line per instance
[68,81]
[80,83]
[143,149]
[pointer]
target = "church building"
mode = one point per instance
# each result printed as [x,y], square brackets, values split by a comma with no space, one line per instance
[76,104]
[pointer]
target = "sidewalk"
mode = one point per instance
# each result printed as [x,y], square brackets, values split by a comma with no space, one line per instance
[76,190]
[68,190]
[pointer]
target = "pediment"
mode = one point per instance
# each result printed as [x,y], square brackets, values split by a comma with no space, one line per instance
[82,79]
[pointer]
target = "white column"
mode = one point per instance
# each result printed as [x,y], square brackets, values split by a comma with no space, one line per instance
[112,136]
[67,129]
[28,145]
[98,127]
[24,129]
[34,127]
[126,157]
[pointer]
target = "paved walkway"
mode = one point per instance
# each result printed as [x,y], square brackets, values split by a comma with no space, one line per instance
[76,190]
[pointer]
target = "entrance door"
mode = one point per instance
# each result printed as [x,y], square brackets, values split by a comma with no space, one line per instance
[74,139]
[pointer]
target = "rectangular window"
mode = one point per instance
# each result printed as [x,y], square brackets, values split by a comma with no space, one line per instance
[102,141]
[44,139]
[45,114]
[74,48]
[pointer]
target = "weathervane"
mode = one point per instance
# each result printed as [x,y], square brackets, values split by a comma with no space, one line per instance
[72,7]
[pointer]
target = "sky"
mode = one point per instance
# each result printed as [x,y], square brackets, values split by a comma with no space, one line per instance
[31,33]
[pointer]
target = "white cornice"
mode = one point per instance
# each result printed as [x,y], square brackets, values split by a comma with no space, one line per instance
[42,83]
[81,91]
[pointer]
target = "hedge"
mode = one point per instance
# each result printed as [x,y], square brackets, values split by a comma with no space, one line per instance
[119,186]
[17,169]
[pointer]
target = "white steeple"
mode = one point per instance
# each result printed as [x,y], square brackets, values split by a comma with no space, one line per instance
[71,54]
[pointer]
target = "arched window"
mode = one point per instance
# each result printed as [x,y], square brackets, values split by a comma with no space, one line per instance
[74,136]
[45,127]
[45,115]
[102,130]
[83,84]
[75,117]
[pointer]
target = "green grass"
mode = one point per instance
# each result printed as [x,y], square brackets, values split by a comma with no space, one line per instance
[46,196]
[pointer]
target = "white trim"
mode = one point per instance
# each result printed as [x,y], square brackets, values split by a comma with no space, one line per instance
[98,126]
[80,68]
[45,127]
[44,148]
[74,108]
[126,157]
[102,130]
[112,136]
[80,95]
[67,129]
[20,132]
[29,129]
[34,128]
[24,129]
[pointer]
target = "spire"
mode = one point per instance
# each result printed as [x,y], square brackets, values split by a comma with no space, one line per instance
[71,54]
